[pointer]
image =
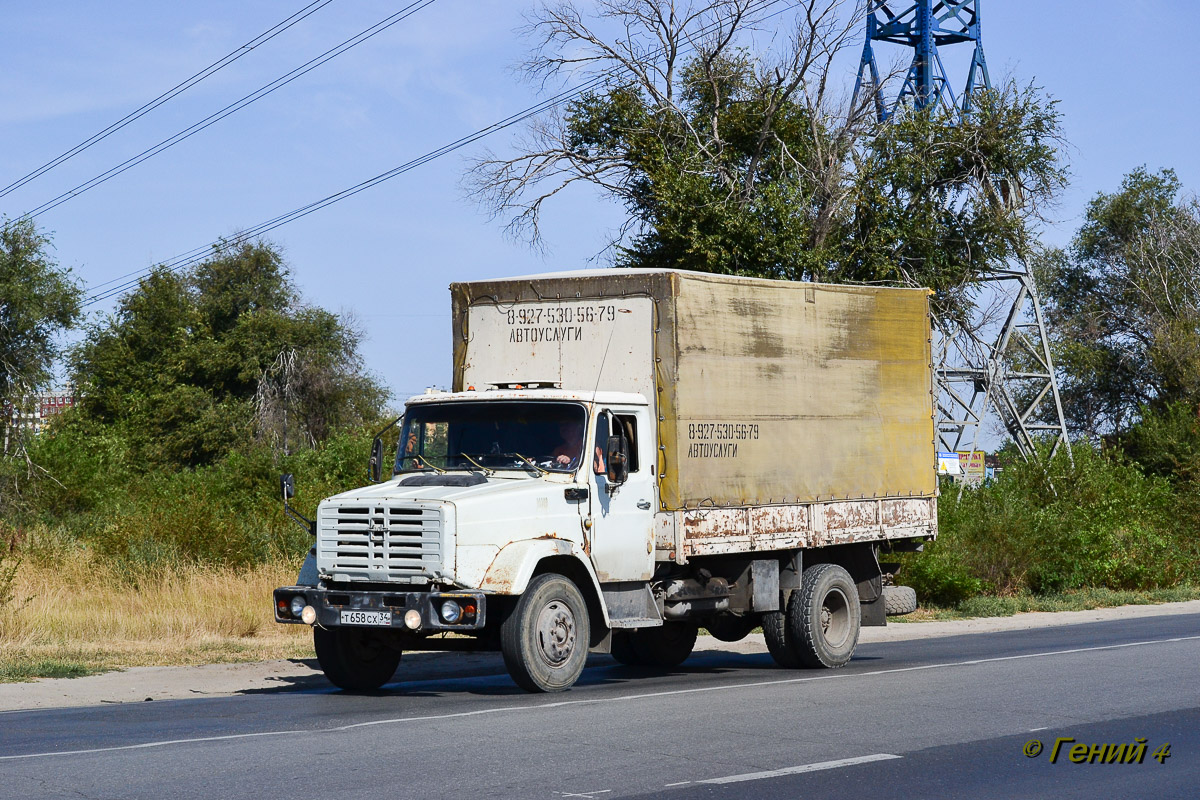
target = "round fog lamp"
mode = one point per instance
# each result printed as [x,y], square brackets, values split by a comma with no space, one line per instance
[412,618]
[298,604]
[309,615]
[451,611]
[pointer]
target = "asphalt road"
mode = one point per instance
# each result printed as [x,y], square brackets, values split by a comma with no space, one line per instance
[946,717]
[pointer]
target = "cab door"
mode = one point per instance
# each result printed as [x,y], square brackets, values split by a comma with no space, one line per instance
[622,532]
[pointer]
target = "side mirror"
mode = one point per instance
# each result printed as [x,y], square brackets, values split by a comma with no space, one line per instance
[616,460]
[375,467]
[287,486]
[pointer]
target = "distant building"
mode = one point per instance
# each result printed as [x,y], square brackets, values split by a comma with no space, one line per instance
[35,412]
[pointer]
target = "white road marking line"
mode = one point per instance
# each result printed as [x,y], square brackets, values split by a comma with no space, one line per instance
[1043,728]
[600,700]
[775,773]
[588,795]
[677,783]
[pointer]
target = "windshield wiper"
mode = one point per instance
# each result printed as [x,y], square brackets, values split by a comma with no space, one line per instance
[536,468]
[486,471]
[422,463]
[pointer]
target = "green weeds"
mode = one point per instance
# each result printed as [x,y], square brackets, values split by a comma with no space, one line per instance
[1048,528]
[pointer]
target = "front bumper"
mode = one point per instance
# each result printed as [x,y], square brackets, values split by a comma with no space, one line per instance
[331,603]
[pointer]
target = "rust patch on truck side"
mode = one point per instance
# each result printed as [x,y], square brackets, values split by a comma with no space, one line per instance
[904,512]
[715,523]
[860,514]
[504,575]
[778,519]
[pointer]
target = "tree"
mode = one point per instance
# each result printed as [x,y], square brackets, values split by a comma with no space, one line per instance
[1124,303]
[741,162]
[180,369]
[38,301]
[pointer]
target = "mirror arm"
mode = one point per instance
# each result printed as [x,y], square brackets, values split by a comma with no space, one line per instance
[309,525]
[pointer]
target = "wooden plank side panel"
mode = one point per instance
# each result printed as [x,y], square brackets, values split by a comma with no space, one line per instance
[730,531]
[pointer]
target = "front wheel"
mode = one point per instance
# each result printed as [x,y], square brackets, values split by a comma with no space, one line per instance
[545,639]
[355,659]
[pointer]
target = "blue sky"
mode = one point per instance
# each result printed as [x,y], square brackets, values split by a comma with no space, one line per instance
[1121,72]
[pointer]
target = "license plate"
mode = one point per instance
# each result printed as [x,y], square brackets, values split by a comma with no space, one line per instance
[367,618]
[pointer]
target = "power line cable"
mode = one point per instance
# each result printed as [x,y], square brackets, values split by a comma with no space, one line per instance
[232,108]
[199,254]
[196,255]
[173,92]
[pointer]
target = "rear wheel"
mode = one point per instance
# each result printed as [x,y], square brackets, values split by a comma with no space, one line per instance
[824,617]
[779,639]
[545,639]
[355,659]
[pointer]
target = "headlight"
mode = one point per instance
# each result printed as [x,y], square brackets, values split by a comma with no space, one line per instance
[451,611]
[298,604]
[412,618]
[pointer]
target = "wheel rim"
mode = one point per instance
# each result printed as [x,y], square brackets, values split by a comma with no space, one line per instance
[835,618]
[555,633]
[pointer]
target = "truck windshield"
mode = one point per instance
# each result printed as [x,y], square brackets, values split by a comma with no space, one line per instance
[492,435]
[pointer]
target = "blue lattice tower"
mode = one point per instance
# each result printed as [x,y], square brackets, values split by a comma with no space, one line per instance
[923,26]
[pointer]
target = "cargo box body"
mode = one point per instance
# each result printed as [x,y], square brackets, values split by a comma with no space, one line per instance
[786,411]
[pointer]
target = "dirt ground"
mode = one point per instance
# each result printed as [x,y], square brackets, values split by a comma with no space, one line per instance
[143,684]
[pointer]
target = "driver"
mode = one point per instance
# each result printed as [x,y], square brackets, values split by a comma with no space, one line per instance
[567,453]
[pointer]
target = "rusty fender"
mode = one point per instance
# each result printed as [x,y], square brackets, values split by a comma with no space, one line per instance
[513,566]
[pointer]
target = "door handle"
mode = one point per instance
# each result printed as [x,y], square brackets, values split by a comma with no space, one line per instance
[644,505]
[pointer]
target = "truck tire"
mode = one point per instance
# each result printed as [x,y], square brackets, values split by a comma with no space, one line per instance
[899,600]
[624,650]
[779,640]
[824,617]
[545,639]
[355,659]
[731,627]
[668,646]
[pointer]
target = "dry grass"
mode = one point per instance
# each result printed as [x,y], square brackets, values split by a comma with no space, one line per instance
[76,615]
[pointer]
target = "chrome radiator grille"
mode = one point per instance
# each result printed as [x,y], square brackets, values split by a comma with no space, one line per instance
[400,542]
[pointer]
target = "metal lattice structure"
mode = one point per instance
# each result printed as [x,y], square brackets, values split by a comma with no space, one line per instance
[923,26]
[1012,374]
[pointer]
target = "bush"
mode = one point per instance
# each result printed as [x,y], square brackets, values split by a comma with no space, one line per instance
[228,513]
[1050,526]
[1167,443]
